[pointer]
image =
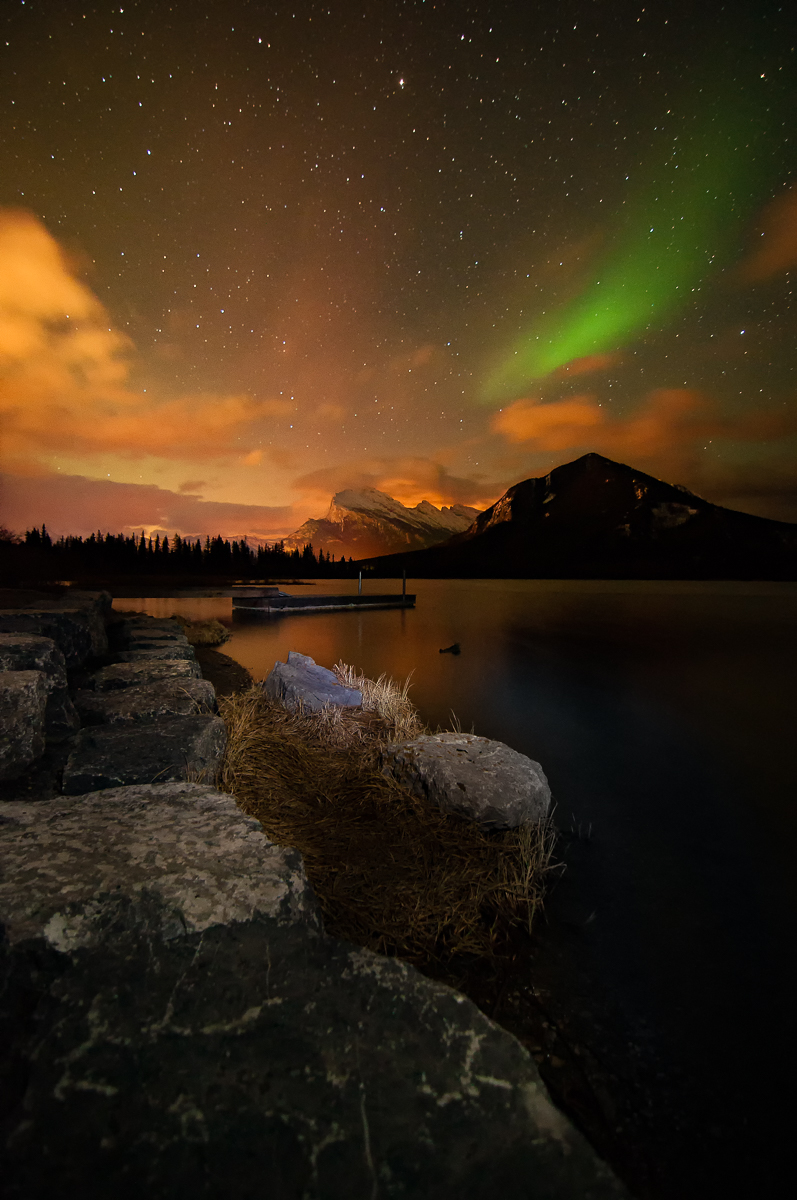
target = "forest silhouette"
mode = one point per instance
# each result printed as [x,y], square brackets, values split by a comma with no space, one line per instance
[37,556]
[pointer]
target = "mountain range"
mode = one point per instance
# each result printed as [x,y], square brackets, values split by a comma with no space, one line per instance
[365,522]
[598,519]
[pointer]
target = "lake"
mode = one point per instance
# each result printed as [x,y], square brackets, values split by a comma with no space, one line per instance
[664,717]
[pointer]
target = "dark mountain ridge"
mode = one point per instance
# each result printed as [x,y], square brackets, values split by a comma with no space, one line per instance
[597,519]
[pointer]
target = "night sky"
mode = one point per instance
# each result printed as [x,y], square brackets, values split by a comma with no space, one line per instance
[252,254]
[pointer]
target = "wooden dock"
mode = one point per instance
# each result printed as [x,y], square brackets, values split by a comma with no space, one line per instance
[276,604]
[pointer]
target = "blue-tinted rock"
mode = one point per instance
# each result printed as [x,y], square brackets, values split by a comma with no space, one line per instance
[302,683]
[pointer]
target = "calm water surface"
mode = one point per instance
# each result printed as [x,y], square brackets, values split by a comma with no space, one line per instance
[664,717]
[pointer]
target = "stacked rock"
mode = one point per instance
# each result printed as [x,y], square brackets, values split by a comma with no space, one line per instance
[91,702]
[175,1019]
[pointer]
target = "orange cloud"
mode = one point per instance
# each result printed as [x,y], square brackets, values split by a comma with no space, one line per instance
[667,418]
[776,250]
[65,382]
[553,426]
[407,479]
[73,504]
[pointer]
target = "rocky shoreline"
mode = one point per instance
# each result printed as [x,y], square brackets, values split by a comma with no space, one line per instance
[173,1015]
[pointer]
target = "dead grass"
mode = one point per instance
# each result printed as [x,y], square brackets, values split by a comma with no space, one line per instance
[391,872]
[203,633]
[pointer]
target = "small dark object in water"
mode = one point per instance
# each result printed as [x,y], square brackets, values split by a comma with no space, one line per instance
[451,649]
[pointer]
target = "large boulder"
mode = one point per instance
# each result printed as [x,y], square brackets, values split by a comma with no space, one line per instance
[75,620]
[23,700]
[72,629]
[146,703]
[132,674]
[30,652]
[473,777]
[301,683]
[186,846]
[173,748]
[179,1026]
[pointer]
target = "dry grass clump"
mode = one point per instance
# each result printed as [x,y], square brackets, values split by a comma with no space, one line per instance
[203,633]
[386,698]
[391,872]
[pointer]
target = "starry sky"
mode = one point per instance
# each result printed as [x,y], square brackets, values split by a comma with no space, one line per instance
[252,254]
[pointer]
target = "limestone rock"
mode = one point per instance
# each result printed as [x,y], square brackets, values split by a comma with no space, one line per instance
[154,641]
[147,702]
[57,616]
[474,777]
[179,1026]
[186,844]
[132,674]
[70,628]
[30,652]
[23,699]
[173,748]
[143,621]
[172,650]
[301,682]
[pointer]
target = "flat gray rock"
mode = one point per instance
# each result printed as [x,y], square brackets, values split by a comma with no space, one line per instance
[185,844]
[302,683]
[147,702]
[179,1026]
[172,748]
[31,652]
[71,629]
[147,624]
[153,653]
[154,641]
[132,674]
[23,700]
[474,777]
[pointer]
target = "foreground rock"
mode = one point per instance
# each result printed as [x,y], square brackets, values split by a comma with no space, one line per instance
[31,652]
[300,682]
[75,621]
[179,1026]
[474,777]
[23,699]
[133,674]
[146,703]
[150,652]
[69,628]
[174,748]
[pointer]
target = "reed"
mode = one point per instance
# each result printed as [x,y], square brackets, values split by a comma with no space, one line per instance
[391,872]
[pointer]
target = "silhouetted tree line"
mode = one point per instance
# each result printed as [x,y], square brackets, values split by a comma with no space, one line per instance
[39,556]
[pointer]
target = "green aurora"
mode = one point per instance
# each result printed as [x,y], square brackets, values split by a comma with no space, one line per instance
[681,224]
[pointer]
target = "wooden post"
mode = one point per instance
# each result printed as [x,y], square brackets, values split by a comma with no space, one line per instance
[360,585]
[404,583]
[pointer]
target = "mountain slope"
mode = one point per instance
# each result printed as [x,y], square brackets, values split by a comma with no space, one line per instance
[367,522]
[594,518]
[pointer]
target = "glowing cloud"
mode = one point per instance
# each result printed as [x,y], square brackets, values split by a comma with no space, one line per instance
[777,251]
[65,383]
[667,419]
